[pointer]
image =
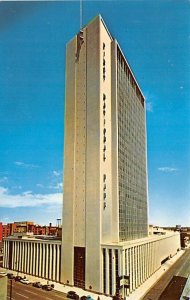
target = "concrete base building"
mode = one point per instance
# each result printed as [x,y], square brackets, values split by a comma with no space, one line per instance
[37,257]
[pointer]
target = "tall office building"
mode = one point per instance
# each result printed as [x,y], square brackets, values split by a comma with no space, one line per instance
[105,246]
[105,169]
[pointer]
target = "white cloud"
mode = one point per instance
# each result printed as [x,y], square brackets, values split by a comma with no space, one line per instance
[57,186]
[57,173]
[28,199]
[19,187]
[149,106]
[3,179]
[23,165]
[39,185]
[167,169]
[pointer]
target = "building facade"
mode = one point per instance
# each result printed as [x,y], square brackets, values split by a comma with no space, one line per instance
[105,175]
[37,257]
[105,243]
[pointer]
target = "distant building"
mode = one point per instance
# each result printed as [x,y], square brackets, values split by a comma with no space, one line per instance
[1,231]
[8,229]
[28,226]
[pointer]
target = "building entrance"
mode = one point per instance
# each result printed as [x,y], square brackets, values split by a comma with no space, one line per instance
[79,267]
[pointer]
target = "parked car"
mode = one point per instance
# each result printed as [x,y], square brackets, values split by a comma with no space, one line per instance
[10,275]
[47,287]
[89,297]
[72,295]
[86,298]
[24,281]
[18,278]
[37,284]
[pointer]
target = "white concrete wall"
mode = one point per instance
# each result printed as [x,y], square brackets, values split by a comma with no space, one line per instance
[93,192]
[140,259]
[86,221]
[38,258]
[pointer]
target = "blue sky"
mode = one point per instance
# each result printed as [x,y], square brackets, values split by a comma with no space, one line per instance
[155,37]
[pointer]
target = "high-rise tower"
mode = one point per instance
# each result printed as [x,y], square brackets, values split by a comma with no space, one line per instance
[105,174]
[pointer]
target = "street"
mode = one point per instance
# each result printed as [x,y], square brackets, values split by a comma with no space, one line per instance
[23,292]
[172,282]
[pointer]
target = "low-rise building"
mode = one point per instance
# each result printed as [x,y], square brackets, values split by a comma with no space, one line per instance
[138,259]
[38,256]
[28,226]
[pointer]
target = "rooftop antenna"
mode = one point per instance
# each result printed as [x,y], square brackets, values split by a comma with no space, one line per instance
[80,14]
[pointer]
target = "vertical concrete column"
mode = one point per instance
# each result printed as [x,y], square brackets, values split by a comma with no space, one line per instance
[60,249]
[113,272]
[127,266]
[19,256]
[37,259]
[40,259]
[139,267]
[27,257]
[133,266]
[148,259]
[140,264]
[119,262]
[123,270]
[58,263]
[8,254]
[131,270]
[14,254]
[157,255]
[5,255]
[34,261]
[50,262]
[107,271]
[12,264]
[54,261]
[144,265]
[136,266]
[31,257]
[152,260]
[43,259]
[153,256]
[22,257]
[47,262]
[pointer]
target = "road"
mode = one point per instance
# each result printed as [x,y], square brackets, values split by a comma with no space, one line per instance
[172,282]
[24,292]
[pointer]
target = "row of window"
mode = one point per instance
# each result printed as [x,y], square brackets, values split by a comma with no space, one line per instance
[104,62]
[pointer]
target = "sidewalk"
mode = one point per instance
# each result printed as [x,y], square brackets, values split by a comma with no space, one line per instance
[136,295]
